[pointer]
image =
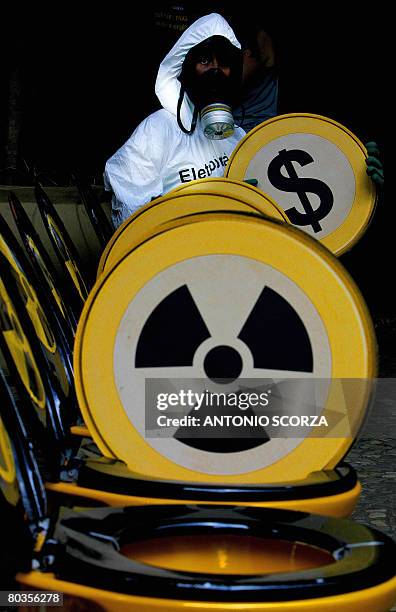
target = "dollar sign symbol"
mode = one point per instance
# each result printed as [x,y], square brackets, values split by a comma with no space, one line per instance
[301,186]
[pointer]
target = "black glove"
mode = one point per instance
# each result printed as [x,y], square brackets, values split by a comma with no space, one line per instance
[375,168]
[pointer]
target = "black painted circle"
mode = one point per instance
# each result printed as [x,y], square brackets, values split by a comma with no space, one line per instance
[223,364]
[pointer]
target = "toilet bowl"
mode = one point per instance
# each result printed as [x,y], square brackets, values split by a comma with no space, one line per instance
[190,557]
[200,558]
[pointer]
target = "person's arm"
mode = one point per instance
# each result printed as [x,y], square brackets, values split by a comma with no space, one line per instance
[134,172]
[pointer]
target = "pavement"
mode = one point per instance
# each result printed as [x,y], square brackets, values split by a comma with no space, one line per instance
[375,459]
[375,463]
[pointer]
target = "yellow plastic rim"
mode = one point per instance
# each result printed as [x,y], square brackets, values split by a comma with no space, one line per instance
[376,599]
[235,189]
[318,276]
[8,475]
[96,435]
[343,237]
[340,505]
[36,314]
[199,198]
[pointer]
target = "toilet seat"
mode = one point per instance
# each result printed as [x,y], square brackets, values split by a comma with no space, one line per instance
[331,492]
[75,552]
[235,188]
[166,263]
[363,558]
[252,158]
[343,478]
[199,197]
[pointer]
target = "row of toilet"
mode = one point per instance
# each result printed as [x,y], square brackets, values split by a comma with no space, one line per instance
[117,516]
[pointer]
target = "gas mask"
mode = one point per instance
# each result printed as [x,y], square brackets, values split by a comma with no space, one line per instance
[212,92]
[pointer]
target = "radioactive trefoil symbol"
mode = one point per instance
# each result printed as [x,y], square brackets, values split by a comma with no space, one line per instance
[273,332]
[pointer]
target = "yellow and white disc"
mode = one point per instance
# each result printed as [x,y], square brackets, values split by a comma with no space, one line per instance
[267,292]
[235,189]
[37,316]
[20,349]
[315,169]
[177,204]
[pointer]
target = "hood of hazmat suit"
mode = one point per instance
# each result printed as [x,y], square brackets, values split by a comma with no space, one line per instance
[160,154]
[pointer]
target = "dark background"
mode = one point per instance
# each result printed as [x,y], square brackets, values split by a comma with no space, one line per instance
[79,86]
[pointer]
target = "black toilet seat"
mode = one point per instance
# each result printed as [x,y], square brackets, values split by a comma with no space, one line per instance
[89,544]
[320,484]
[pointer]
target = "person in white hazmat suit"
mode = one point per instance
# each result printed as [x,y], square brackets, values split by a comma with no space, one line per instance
[193,135]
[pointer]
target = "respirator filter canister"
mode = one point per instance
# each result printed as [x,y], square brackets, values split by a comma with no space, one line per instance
[217,121]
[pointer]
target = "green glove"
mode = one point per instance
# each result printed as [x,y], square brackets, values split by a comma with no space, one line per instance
[375,168]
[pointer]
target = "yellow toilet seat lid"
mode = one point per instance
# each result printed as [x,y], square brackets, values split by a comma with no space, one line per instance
[314,168]
[218,268]
[195,197]
[235,189]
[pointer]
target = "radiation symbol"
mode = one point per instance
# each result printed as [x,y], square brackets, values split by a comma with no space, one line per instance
[314,168]
[37,316]
[21,352]
[226,297]
[208,329]
[30,299]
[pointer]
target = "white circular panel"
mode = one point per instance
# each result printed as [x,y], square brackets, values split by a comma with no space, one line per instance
[217,296]
[309,177]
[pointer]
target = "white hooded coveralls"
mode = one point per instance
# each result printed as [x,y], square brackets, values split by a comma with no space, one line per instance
[159,156]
